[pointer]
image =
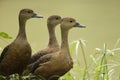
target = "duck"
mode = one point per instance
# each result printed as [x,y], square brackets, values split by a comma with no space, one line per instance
[15,56]
[53,45]
[54,65]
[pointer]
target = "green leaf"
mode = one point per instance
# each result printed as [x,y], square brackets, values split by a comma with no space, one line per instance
[2,77]
[5,35]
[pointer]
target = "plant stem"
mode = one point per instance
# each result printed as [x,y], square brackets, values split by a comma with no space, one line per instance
[86,67]
[104,67]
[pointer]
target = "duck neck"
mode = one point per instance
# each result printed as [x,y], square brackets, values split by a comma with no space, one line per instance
[22,31]
[52,37]
[64,44]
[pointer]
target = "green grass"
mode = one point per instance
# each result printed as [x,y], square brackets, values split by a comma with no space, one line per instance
[99,67]
[103,64]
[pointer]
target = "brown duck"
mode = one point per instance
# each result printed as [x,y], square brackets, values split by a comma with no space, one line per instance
[52,66]
[53,45]
[16,55]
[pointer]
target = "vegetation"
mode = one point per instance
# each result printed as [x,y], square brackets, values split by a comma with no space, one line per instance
[102,66]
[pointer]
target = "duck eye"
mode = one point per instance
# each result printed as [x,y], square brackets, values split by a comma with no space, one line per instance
[71,21]
[56,18]
[29,11]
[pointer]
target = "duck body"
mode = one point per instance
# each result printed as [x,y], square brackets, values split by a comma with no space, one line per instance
[53,45]
[16,55]
[51,67]
[43,52]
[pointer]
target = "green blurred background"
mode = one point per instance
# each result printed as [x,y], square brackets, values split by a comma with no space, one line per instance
[102,18]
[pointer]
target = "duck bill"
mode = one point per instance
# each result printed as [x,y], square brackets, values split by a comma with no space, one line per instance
[36,16]
[79,25]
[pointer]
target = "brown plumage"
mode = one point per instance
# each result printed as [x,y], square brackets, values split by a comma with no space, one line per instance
[52,66]
[53,45]
[16,55]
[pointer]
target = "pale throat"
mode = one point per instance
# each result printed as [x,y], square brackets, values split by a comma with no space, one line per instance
[64,35]
[52,36]
[22,30]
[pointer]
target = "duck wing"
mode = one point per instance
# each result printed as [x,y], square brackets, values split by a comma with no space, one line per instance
[40,61]
[4,53]
[36,56]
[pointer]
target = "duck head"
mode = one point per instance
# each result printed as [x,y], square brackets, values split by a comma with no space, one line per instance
[54,20]
[26,14]
[68,23]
